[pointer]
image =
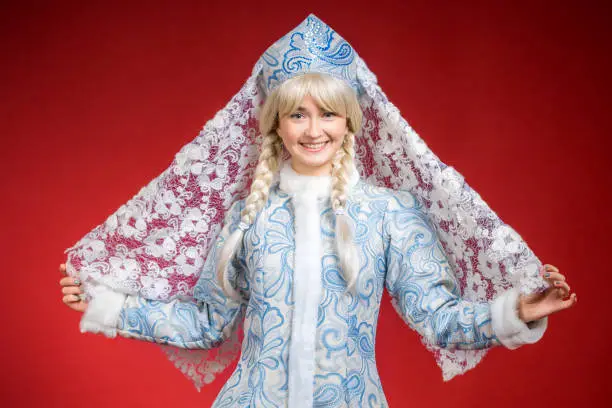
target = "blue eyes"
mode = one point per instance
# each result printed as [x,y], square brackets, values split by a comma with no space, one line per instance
[300,115]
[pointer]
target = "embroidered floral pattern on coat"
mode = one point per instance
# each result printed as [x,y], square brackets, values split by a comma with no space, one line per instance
[398,249]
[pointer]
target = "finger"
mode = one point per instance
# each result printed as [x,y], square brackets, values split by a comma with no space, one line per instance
[570,302]
[66,281]
[563,288]
[549,268]
[78,307]
[69,281]
[71,290]
[551,277]
[62,269]
[71,299]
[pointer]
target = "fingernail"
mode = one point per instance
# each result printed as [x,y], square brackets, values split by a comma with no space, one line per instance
[557,283]
[77,282]
[547,275]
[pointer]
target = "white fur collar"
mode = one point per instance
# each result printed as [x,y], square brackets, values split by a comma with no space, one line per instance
[319,186]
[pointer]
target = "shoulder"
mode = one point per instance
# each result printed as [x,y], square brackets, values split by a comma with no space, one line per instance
[233,214]
[237,206]
[386,198]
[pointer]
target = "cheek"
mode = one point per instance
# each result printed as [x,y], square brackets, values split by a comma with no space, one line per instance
[337,138]
[337,130]
[289,135]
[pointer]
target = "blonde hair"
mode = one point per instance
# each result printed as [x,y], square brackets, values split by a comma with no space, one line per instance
[331,94]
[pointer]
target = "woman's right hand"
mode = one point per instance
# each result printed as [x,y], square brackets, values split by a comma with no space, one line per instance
[71,289]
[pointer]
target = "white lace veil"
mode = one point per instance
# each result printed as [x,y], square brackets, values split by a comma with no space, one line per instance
[155,244]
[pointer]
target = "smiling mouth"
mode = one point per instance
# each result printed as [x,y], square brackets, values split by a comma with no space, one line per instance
[314,147]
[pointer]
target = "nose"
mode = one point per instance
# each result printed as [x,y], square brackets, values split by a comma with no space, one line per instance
[314,128]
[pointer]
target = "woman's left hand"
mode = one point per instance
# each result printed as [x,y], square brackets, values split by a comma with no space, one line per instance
[554,299]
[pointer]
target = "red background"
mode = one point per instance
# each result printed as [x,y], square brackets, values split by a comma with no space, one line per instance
[97,97]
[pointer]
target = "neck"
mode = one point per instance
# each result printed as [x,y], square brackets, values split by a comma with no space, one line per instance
[296,183]
[303,170]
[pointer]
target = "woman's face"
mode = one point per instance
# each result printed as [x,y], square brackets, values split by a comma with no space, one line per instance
[312,136]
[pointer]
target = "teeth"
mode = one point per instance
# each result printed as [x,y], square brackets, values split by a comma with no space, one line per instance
[313,146]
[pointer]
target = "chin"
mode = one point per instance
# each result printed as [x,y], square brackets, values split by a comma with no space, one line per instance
[312,163]
[318,161]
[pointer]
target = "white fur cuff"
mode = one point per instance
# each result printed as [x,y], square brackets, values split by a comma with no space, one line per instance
[511,331]
[103,312]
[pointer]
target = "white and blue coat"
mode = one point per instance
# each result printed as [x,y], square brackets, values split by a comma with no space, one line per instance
[307,341]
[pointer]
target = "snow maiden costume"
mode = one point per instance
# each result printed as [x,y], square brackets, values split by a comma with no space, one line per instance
[453,269]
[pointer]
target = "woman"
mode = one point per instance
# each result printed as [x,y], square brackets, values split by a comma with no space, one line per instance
[305,260]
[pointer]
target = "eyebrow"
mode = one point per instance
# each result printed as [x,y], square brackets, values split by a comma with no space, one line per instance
[303,109]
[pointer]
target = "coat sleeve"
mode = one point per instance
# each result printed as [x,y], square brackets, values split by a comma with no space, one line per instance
[203,322]
[426,293]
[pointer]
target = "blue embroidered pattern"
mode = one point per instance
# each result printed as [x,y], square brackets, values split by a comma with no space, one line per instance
[398,249]
[312,46]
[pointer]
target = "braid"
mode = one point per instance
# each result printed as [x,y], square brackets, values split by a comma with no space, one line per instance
[260,189]
[347,253]
[264,173]
[341,166]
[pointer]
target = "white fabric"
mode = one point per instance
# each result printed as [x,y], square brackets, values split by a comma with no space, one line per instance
[511,331]
[307,193]
[294,183]
[102,313]
[306,296]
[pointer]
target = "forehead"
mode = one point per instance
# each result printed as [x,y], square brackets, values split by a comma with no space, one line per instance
[309,103]
[314,100]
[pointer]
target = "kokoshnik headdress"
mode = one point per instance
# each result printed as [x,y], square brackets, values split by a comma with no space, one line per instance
[155,245]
